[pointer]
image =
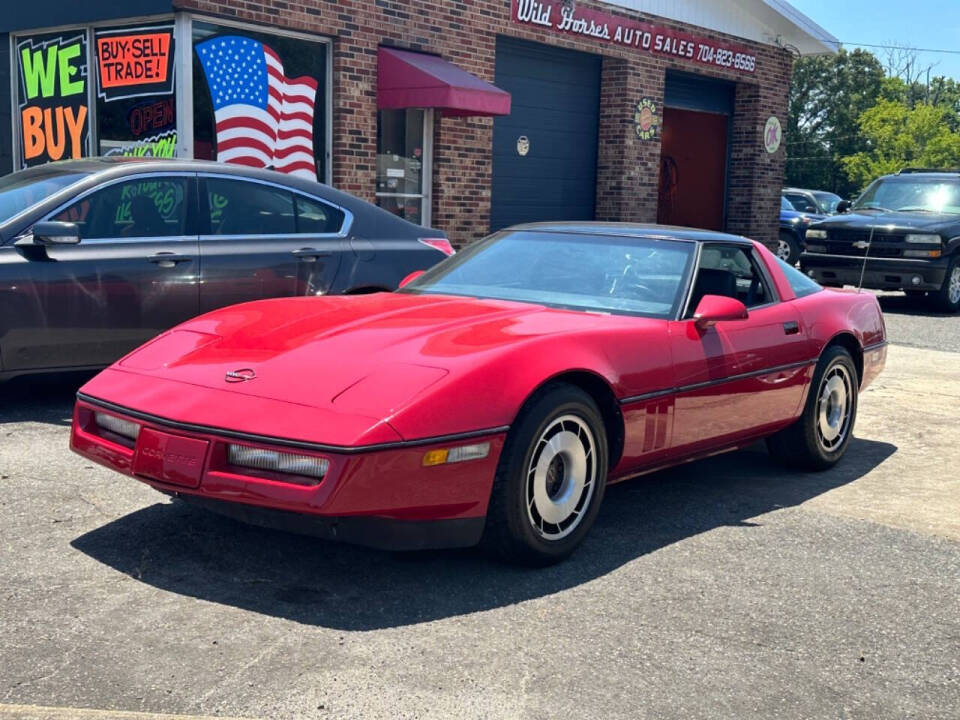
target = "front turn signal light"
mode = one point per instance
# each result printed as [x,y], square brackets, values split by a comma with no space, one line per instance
[461,453]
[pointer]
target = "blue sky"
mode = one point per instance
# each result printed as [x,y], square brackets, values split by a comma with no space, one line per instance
[920,24]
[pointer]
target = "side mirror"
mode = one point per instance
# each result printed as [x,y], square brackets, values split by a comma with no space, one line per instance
[718,308]
[843,206]
[56,233]
[411,277]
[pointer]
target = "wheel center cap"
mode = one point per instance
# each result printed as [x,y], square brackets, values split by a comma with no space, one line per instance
[555,476]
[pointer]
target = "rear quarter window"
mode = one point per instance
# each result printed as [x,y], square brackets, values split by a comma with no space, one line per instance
[800,283]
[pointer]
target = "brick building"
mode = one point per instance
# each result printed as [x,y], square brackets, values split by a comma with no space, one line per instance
[468,115]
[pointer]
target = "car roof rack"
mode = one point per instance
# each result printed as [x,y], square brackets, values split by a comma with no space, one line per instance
[910,170]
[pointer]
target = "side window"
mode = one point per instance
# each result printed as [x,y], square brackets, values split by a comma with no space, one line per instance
[317,217]
[143,208]
[802,203]
[239,207]
[731,272]
[800,283]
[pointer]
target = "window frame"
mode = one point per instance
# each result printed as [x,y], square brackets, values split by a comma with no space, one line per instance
[190,224]
[183,76]
[183,35]
[203,223]
[426,197]
[755,260]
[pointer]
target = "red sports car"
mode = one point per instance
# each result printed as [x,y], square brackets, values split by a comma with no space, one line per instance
[495,396]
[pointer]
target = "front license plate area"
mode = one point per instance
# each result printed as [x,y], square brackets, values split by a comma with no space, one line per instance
[171,459]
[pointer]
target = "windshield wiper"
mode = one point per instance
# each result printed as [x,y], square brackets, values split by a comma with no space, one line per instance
[918,209]
[872,207]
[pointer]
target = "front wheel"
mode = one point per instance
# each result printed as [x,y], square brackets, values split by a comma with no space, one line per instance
[947,298]
[820,437]
[550,480]
[788,249]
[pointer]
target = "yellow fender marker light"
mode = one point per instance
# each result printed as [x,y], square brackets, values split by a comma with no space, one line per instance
[461,453]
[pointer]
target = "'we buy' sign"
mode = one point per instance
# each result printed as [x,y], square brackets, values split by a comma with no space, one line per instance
[52,98]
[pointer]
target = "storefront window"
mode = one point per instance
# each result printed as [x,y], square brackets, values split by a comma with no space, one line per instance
[136,102]
[52,112]
[404,162]
[259,99]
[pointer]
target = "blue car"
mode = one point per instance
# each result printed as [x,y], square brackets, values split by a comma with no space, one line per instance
[793,230]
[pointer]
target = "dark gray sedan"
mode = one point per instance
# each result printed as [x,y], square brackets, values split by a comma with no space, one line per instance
[99,255]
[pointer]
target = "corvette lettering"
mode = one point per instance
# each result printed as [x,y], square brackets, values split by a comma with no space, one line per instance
[173,458]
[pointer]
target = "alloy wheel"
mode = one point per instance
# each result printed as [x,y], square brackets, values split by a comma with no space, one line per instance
[833,407]
[561,477]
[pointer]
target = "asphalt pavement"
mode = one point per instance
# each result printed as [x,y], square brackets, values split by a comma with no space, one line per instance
[728,588]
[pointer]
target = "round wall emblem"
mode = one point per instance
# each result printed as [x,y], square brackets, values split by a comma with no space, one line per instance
[523,145]
[645,119]
[772,135]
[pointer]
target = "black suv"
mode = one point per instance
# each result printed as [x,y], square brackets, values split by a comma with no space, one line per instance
[902,233]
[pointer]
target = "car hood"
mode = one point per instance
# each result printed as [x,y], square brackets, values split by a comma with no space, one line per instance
[368,354]
[890,221]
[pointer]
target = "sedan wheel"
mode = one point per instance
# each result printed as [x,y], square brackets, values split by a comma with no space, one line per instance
[819,438]
[550,479]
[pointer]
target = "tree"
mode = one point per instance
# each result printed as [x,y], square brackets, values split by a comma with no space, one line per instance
[828,95]
[899,136]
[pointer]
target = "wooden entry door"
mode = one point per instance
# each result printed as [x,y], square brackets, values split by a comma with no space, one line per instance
[693,163]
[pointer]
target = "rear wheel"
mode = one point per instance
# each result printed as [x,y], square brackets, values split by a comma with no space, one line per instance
[788,248]
[820,437]
[947,298]
[550,480]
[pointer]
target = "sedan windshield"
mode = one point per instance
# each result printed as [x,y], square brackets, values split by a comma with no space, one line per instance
[21,190]
[935,195]
[629,275]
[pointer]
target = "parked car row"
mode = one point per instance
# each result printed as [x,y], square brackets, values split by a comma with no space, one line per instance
[97,256]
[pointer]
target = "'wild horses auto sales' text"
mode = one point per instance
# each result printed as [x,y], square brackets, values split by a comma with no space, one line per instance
[592,23]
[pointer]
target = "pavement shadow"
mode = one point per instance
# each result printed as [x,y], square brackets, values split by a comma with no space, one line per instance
[41,398]
[185,550]
[901,304]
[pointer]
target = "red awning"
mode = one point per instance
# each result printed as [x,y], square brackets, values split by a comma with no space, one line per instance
[415,80]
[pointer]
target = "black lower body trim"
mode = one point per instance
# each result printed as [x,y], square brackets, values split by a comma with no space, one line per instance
[374,532]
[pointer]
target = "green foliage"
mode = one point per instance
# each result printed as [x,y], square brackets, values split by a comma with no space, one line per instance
[848,122]
[827,96]
[899,136]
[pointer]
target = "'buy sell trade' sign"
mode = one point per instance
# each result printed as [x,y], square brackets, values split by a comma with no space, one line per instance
[52,97]
[135,62]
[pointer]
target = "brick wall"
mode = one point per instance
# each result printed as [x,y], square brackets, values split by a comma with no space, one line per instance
[464,32]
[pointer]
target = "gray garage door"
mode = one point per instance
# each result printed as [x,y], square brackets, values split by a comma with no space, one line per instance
[556,101]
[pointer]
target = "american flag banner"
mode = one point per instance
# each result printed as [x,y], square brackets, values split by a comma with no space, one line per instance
[263,118]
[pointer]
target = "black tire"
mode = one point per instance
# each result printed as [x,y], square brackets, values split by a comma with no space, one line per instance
[947,298]
[512,531]
[804,445]
[788,248]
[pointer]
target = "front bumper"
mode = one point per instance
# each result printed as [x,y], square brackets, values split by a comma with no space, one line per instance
[378,497]
[880,273]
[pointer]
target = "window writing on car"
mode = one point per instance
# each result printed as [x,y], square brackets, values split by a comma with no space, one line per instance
[238,207]
[142,208]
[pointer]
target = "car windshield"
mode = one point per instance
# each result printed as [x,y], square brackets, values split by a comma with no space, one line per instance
[786,204]
[935,195]
[827,201]
[629,275]
[21,190]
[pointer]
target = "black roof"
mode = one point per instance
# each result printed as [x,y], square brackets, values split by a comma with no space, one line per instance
[628,229]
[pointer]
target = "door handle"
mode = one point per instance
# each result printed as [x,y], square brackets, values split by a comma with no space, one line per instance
[791,328]
[169,260]
[309,254]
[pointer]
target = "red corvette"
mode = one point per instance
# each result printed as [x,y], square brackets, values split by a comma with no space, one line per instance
[495,396]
